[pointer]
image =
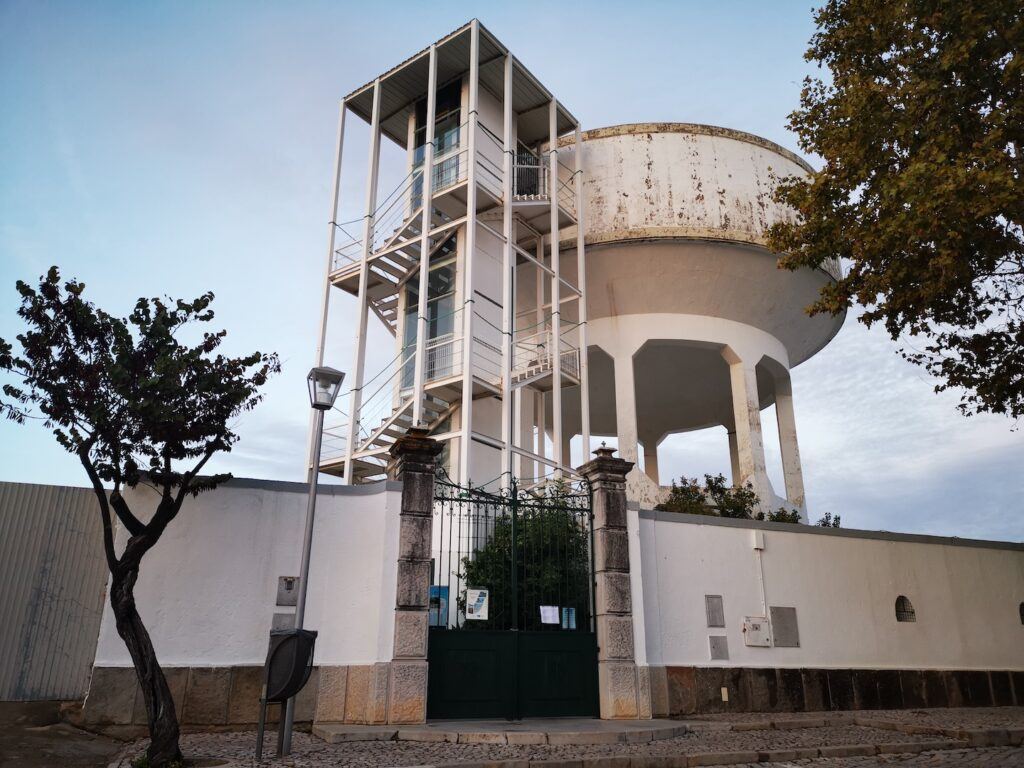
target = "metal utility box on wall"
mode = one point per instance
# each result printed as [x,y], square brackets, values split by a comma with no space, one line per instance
[756,632]
[715,609]
[719,647]
[786,632]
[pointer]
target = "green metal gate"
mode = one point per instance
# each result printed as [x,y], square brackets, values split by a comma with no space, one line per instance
[511,613]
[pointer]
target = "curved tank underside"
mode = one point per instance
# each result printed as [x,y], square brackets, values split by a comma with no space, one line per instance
[732,281]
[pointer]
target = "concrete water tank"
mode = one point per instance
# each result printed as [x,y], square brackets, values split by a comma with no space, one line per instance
[691,324]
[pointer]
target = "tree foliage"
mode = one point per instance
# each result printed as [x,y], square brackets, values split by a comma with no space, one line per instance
[781,515]
[920,125]
[714,497]
[552,562]
[131,401]
[828,521]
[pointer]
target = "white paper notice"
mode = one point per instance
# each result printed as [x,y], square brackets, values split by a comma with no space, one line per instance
[476,604]
[549,614]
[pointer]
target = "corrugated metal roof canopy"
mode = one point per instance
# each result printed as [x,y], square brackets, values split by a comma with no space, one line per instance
[404,85]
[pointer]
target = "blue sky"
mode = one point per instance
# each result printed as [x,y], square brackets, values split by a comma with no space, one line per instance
[173,148]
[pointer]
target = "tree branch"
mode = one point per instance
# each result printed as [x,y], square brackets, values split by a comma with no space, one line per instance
[101,495]
[190,476]
[124,514]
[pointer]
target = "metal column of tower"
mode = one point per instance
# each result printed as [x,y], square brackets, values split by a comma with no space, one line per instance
[359,365]
[508,294]
[581,286]
[428,201]
[469,256]
[540,402]
[325,303]
[556,296]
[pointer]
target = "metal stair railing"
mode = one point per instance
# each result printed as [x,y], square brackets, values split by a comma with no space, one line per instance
[382,401]
[529,177]
[566,188]
[350,250]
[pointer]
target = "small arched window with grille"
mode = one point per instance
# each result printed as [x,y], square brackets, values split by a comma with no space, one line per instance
[905,609]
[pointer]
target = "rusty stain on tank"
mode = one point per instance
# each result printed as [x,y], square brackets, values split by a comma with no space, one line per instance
[647,182]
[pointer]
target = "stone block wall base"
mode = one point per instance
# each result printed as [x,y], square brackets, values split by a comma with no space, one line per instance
[202,696]
[407,696]
[659,691]
[366,694]
[618,690]
[680,691]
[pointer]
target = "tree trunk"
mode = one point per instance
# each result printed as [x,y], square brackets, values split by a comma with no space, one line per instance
[163,720]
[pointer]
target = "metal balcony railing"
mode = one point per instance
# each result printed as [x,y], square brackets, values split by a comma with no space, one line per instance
[533,355]
[531,180]
[396,218]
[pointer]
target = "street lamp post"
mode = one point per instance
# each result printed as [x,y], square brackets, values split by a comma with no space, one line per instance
[324,384]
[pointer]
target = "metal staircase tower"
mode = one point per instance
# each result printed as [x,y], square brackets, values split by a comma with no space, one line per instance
[462,262]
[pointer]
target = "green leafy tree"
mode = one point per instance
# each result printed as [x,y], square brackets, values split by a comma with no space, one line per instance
[920,125]
[132,402]
[552,562]
[828,521]
[715,497]
[781,515]
[737,501]
[686,496]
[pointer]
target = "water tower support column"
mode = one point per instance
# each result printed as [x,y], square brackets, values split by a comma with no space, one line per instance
[734,456]
[651,460]
[747,412]
[625,406]
[791,468]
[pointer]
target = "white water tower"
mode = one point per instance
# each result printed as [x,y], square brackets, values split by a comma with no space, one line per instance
[690,322]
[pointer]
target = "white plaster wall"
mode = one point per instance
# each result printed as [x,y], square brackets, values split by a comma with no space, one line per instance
[844,589]
[207,591]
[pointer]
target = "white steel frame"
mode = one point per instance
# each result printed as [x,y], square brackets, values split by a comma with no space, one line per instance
[359,364]
[519,446]
[468,257]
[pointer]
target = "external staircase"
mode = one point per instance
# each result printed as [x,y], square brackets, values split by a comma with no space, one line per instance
[392,261]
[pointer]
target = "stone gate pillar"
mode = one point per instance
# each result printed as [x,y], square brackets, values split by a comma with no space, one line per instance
[414,460]
[624,691]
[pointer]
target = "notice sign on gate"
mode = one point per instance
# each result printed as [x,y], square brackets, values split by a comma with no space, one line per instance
[476,604]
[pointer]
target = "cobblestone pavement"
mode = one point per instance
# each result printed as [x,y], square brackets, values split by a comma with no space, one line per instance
[954,717]
[959,717]
[999,757]
[28,746]
[310,752]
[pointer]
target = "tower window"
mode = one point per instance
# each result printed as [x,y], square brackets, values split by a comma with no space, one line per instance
[905,609]
[1022,613]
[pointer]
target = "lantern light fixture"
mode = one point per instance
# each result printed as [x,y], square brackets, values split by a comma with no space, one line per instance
[324,385]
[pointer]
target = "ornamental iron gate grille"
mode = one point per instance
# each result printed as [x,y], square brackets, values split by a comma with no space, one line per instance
[512,602]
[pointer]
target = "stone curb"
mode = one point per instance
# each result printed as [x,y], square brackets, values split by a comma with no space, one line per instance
[720,758]
[786,724]
[342,733]
[705,758]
